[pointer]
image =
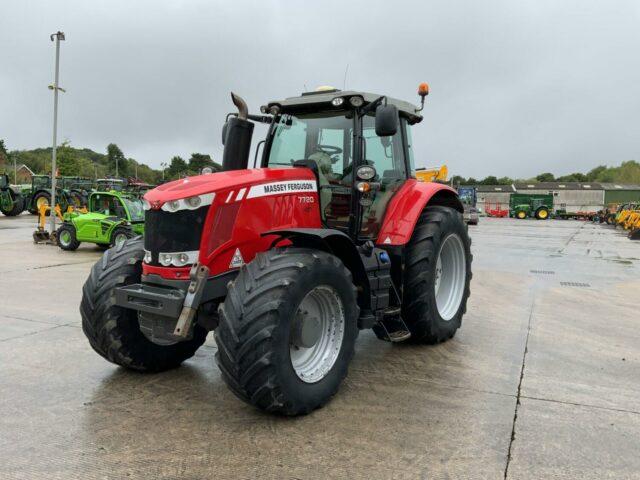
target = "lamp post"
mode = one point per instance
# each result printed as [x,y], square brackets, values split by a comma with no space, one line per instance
[58,36]
[163,165]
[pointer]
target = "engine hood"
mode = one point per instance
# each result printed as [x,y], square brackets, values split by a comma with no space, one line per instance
[220,181]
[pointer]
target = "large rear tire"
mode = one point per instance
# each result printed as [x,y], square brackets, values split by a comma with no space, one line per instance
[437,276]
[16,208]
[287,330]
[114,332]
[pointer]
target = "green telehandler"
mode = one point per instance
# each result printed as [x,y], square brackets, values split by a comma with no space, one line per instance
[112,218]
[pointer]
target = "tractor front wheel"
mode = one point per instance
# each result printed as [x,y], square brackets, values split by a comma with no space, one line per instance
[437,276]
[114,332]
[521,214]
[287,330]
[66,236]
[120,235]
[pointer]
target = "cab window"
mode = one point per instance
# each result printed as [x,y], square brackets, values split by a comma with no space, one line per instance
[386,154]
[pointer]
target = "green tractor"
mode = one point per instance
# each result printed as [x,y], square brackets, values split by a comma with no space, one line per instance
[112,218]
[12,201]
[534,205]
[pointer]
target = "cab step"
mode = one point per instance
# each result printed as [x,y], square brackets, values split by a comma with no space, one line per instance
[391,327]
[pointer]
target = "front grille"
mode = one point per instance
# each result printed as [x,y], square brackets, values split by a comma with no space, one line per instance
[173,232]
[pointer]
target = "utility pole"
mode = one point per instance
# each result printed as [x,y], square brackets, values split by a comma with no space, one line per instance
[58,36]
[116,166]
[163,165]
[15,171]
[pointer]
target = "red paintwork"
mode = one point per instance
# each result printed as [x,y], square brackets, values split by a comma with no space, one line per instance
[254,216]
[405,208]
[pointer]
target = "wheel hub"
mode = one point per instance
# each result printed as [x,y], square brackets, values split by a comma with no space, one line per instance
[450,276]
[316,334]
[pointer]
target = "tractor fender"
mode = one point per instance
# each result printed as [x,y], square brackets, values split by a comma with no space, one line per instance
[336,242]
[407,204]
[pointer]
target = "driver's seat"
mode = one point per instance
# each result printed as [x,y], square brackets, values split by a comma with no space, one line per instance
[323,162]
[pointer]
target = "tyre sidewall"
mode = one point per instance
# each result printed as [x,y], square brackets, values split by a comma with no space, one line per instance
[292,385]
[449,227]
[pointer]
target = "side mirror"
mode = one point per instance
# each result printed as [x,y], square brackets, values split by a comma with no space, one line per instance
[386,120]
[224,132]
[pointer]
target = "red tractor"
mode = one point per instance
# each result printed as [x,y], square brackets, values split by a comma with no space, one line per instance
[287,262]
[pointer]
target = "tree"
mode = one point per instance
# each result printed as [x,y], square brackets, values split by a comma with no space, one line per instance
[114,154]
[490,180]
[546,177]
[177,168]
[66,160]
[200,160]
[4,155]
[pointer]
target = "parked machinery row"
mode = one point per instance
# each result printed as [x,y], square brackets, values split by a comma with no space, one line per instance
[70,192]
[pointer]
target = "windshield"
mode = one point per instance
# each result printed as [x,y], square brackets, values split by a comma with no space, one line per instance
[135,208]
[322,137]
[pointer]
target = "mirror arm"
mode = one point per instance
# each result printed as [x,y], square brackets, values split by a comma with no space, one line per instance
[372,106]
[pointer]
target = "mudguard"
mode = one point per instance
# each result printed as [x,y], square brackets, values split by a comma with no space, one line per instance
[407,204]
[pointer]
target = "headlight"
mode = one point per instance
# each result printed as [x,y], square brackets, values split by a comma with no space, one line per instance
[180,259]
[336,102]
[193,202]
[147,256]
[190,203]
[356,101]
[366,172]
[165,259]
[146,205]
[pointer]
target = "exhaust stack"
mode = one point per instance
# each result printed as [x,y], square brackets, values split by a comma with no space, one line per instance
[236,135]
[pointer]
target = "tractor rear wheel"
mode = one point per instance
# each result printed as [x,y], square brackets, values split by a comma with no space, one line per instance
[542,213]
[114,332]
[287,330]
[66,236]
[16,208]
[437,276]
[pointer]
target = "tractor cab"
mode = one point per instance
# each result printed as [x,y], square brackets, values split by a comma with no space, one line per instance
[114,204]
[341,136]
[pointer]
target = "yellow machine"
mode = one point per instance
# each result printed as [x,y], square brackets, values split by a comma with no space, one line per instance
[432,174]
[41,235]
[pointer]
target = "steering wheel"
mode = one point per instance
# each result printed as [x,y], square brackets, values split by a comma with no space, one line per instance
[329,149]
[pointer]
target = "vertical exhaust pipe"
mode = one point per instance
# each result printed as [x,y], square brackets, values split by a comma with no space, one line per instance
[236,134]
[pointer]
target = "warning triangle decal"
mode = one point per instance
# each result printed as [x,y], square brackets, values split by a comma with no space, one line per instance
[237,260]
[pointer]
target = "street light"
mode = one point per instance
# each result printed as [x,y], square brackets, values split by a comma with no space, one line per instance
[58,36]
[163,165]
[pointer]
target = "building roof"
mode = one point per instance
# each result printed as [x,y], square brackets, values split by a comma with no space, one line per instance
[495,188]
[557,186]
[26,168]
[620,186]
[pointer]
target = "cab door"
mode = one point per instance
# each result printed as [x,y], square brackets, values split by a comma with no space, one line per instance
[387,156]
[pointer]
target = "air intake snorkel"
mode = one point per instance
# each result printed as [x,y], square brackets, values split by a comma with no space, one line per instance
[236,137]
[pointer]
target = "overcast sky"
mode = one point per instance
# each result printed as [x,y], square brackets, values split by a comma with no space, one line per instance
[517,87]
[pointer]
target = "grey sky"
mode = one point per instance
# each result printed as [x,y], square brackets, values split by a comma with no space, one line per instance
[516,87]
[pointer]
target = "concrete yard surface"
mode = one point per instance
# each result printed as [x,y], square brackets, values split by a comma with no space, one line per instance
[541,381]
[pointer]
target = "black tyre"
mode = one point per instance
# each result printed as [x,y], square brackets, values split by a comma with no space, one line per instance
[76,199]
[113,331]
[120,235]
[437,276]
[287,330]
[542,213]
[16,208]
[66,236]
